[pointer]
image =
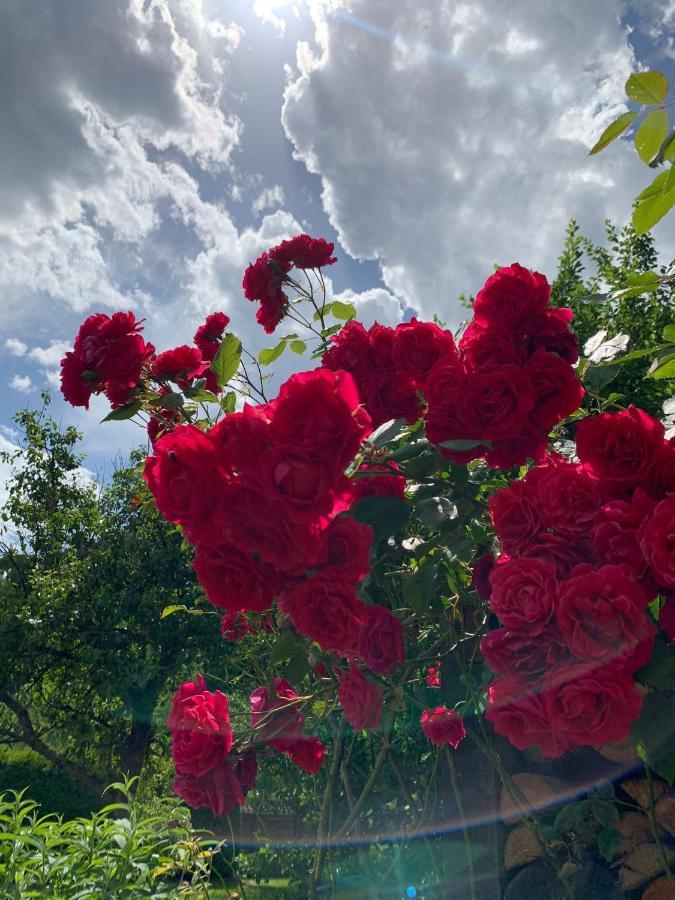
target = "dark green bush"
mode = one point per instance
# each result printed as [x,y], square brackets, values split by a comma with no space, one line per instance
[55,792]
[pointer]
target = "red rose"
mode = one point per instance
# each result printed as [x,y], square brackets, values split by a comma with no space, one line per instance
[601,615]
[326,610]
[235,627]
[306,752]
[444,385]
[621,448]
[381,341]
[360,699]
[262,278]
[208,336]
[391,395]
[524,593]
[594,708]
[219,790]
[199,723]
[185,479]
[615,538]
[321,411]
[76,389]
[252,521]
[557,390]
[379,485]
[302,483]
[523,658]
[241,438]
[346,546]
[507,453]
[443,726]
[657,541]
[559,550]
[233,580]
[272,310]
[433,679]
[480,575]
[567,497]
[512,299]
[304,252]
[417,346]
[522,716]
[381,644]
[488,346]
[667,618]
[552,333]
[663,476]
[515,516]
[495,402]
[349,350]
[180,365]
[246,771]
[275,715]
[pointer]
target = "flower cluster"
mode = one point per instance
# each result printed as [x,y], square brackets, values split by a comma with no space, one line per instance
[260,496]
[500,392]
[108,357]
[278,722]
[264,278]
[207,774]
[586,547]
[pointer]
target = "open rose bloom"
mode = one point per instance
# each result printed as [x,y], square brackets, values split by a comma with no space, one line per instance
[408,574]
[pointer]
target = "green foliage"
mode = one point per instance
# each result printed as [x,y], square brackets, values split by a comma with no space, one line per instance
[112,853]
[86,659]
[55,792]
[620,288]
[227,359]
[654,145]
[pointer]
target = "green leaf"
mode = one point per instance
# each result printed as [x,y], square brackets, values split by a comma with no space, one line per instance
[284,647]
[669,333]
[653,735]
[647,87]
[629,357]
[571,815]
[124,412]
[459,446]
[598,377]
[434,511]
[660,670]
[170,610]
[343,310]
[613,131]
[199,395]
[170,400]
[419,588]
[385,515]
[651,134]
[386,432]
[269,355]
[604,812]
[609,840]
[326,332]
[667,151]
[663,367]
[654,202]
[228,402]
[298,347]
[227,359]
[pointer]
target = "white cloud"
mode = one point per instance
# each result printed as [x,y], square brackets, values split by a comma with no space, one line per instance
[52,355]
[374,305]
[269,198]
[16,347]
[447,143]
[21,383]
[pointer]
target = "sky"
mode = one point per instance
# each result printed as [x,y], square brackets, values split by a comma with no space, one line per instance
[149,149]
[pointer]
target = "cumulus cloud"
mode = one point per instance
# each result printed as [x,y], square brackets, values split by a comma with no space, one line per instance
[21,383]
[449,138]
[269,198]
[15,347]
[374,305]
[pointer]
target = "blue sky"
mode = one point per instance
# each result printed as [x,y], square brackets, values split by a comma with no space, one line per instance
[151,148]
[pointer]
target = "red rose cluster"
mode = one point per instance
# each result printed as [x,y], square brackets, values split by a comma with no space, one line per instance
[264,278]
[509,382]
[108,357]
[586,547]
[207,774]
[260,494]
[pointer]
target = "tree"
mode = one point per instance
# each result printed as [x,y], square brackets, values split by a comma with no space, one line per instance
[86,571]
[589,275]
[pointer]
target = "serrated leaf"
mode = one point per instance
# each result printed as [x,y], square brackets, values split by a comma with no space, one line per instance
[609,840]
[267,356]
[604,812]
[663,367]
[570,815]
[647,87]
[200,395]
[386,432]
[654,202]
[651,134]
[343,310]
[283,647]
[123,412]
[433,511]
[669,333]
[326,332]
[227,359]
[298,347]
[228,402]
[385,515]
[614,130]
